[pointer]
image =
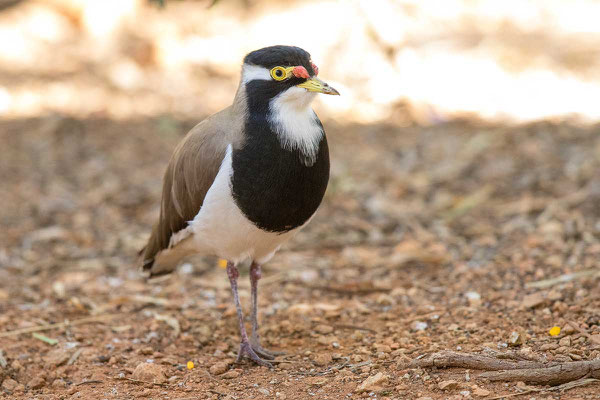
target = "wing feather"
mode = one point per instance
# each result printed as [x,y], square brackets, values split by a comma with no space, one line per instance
[190,173]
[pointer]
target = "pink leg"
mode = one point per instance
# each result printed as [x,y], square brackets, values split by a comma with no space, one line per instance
[255,275]
[245,347]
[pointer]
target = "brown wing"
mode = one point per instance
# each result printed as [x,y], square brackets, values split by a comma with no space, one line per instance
[191,171]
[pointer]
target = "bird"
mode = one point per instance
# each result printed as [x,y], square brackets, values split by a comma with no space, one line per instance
[246,179]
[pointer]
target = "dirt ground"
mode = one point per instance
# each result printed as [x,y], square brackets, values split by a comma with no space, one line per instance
[445,237]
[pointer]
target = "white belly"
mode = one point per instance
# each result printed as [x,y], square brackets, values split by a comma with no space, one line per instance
[221,229]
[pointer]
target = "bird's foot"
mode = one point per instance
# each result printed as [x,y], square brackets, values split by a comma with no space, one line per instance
[261,351]
[246,349]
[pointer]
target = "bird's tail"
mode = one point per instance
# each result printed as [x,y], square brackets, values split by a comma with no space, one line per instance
[167,260]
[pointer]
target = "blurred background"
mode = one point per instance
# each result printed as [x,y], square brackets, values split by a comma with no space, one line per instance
[393,60]
[463,210]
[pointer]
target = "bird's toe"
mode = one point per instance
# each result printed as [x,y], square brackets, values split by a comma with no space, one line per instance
[246,350]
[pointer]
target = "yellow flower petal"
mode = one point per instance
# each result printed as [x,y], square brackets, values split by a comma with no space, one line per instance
[554,331]
[222,263]
[190,365]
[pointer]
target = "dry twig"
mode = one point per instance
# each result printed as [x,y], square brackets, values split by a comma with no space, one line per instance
[450,359]
[562,388]
[353,327]
[549,375]
[88,382]
[140,381]
[546,283]
[516,370]
[59,325]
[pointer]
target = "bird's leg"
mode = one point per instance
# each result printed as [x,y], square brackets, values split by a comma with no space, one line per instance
[245,347]
[255,275]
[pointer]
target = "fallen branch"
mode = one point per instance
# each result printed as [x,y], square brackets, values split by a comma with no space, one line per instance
[513,370]
[450,359]
[551,375]
[562,388]
[59,325]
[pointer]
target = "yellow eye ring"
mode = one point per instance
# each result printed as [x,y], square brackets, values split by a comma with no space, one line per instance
[280,73]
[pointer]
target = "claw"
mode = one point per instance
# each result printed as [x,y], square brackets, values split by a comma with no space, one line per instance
[264,353]
[247,350]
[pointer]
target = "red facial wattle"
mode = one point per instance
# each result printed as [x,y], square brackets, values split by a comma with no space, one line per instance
[300,72]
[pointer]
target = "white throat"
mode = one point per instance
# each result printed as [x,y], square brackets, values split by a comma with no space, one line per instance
[294,121]
[290,116]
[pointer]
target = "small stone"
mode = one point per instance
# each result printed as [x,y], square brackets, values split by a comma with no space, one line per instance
[525,351]
[322,359]
[149,372]
[549,346]
[474,298]
[324,329]
[264,391]
[327,340]
[385,300]
[533,300]
[568,329]
[9,384]
[16,365]
[480,392]
[419,325]
[471,326]
[448,385]
[231,374]
[373,383]
[280,395]
[383,348]
[285,366]
[36,383]
[146,351]
[56,357]
[515,339]
[566,341]
[59,383]
[562,350]
[219,368]
[555,295]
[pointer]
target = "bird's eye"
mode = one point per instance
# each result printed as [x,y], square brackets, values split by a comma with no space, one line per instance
[279,73]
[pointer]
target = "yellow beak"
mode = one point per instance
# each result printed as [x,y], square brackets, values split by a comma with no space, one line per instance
[316,85]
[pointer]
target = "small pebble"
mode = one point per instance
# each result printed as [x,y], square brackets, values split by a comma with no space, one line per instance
[9,384]
[324,329]
[322,359]
[219,368]
[448,385]
[566,341]
[231,374]
[36,382]
[568,329]
[149,372]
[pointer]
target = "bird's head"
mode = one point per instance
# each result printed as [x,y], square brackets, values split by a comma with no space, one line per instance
[284,74]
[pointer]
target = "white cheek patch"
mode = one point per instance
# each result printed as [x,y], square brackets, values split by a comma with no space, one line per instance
[255,72]
[294,121]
